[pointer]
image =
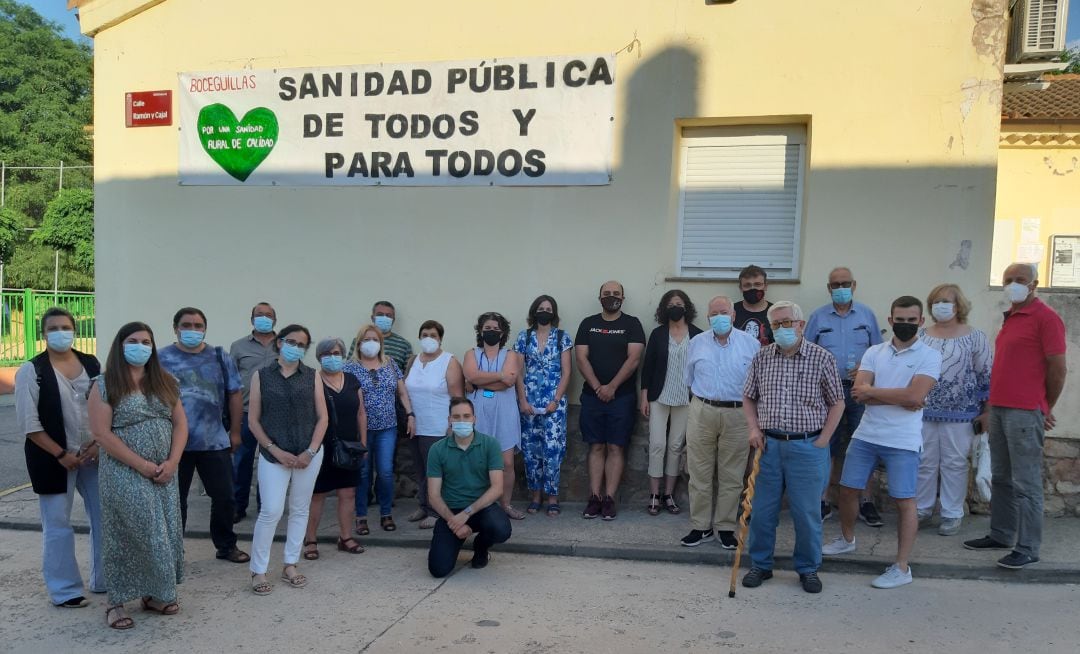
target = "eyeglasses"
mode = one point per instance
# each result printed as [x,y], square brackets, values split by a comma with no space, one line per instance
[836,285]
[786,324]
[294,343]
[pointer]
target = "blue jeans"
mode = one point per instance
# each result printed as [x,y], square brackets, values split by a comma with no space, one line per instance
[243,460]
[802,469]
[381,443]
[58,563]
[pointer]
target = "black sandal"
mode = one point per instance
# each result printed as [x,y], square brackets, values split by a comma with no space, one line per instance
[344,546]
[313,553]
[387,523]
[654,504]
[669,503]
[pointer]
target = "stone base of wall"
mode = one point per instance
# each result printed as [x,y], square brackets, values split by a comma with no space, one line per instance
[1061,475]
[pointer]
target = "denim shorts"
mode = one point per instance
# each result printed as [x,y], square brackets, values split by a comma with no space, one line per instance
[902,466]
[609,423]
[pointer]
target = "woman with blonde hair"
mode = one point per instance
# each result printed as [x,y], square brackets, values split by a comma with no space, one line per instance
[955,409]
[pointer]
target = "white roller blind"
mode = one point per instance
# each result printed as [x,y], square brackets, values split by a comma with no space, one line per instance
[741,201]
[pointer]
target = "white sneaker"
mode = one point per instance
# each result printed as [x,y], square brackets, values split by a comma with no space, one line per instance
[838,546]
[892,578]
[949,526]
[924,518]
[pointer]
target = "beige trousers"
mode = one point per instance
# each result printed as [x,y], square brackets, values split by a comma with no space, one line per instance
[717,445]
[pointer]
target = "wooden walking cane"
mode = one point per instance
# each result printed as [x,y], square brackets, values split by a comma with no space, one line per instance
[747,504]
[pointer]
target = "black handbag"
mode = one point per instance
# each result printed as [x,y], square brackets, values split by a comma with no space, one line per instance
[347,455]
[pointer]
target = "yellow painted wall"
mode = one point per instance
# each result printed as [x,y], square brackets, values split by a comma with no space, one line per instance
[1038,180]
[903,100]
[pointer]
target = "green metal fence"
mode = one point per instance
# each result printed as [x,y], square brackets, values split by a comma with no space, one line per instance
[20,322]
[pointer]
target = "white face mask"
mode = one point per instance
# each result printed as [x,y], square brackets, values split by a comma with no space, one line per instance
[1016,292]
[369,348]
[429,345]
[943,311]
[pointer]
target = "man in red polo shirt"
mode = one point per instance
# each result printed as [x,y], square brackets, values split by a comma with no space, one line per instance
[1025,383]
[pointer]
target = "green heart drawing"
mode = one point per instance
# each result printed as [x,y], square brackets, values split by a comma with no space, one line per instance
[238,146]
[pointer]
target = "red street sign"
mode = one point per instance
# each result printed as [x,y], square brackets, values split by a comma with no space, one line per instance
[148,108]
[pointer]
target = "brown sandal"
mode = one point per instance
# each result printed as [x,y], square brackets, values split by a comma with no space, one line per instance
[361,527]
[122,622]
[172,608]
[654,504]
[355,548]
[297,580]
[387,523]
[263,587]
[311,554]
[669,503]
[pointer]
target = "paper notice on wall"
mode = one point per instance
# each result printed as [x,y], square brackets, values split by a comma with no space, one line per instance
[1029,252]
[1029,231]
[1065,266]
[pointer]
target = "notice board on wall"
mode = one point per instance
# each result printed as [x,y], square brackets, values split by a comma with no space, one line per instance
[541,121]
[1065,261]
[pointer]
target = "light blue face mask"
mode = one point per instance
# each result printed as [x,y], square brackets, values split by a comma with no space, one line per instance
[263,324]
[721,324]
[137,354]
[785,336]
[461,429]
[291,353]
[841,295]
[60,341]
[332,363]
[384,323]
[191,337]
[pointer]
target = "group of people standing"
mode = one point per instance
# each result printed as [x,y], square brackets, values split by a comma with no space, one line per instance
[130,437]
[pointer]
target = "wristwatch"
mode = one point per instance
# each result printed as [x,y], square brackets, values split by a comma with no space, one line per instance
[61,455]
[467,510]
[311,452]
[410,414]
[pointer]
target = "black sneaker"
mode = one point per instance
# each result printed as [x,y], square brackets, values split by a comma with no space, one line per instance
[480,559]
[727,540]
[1016,560]
[985,543]
[826,511]
[697,537]
[592,509]
[868,514]
[607,508]
[755,577]
[811,583]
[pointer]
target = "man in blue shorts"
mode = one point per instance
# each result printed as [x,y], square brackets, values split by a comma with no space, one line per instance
[608,348]
[893,381]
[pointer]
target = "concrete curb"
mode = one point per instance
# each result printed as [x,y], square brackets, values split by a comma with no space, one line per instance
[1040,574]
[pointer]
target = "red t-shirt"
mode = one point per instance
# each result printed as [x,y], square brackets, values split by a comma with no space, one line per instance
[1029,335]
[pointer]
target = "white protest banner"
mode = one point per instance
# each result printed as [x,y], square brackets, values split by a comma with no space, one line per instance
[500,122]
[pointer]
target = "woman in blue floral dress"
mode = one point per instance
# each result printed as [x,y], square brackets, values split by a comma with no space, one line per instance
[136,417]
[545,351]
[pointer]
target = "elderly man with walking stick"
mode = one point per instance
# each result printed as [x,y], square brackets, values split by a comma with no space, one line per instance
[793,400]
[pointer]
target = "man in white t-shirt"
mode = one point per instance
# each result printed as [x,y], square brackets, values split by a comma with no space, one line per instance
[894,379]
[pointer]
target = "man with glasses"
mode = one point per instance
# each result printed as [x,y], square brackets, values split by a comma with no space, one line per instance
[751,313]
[252,352]
[792,401]
[846,329]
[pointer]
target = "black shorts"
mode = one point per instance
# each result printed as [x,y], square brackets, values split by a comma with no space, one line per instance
[608,423]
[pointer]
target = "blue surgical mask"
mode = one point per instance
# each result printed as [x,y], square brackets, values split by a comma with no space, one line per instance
[721,324]
[292,353]
[785,336]
[462,429]
[263,324]
[60,341]
[384,323]
[841,295]
[191,337]
[332,362]
[137,354]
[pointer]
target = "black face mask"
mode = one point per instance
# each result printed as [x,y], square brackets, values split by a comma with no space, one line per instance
[544,317]
[753,296]
[905,331]
[675,313]
[611,303]
[491,337]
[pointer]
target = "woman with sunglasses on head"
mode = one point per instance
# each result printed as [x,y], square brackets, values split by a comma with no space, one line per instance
[380,380]
[348,422]
[492,373]
[287,415]
[137,418]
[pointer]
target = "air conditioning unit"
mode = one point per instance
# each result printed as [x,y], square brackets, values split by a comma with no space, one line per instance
[1037,29]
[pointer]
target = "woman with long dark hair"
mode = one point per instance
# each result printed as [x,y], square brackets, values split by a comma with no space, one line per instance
[137,418]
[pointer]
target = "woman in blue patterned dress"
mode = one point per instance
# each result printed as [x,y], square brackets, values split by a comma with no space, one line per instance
[136,417]
[958,399]
[541,391]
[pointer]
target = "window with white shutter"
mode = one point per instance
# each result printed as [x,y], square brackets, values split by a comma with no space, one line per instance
[741,200]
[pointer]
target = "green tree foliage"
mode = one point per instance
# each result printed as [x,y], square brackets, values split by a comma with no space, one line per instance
[10,228]
[69,226]
[45,114]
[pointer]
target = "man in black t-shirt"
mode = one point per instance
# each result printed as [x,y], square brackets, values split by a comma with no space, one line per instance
[751,314]
[608,348]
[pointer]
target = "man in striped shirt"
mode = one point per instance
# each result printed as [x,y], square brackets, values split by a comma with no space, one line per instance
[793,400]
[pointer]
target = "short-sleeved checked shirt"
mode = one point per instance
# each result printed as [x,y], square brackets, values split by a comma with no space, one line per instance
[793,393]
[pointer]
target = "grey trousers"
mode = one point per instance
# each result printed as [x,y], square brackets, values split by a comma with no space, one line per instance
[1016,465]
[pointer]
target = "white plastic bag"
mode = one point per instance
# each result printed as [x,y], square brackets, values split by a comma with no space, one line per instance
[981,463]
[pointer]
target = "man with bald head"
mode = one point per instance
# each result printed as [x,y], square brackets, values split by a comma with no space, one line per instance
[717,439]
[1025,384]
[608,348]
